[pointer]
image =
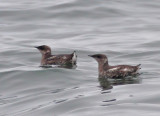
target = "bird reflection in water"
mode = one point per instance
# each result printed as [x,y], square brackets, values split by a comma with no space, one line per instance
[107,83]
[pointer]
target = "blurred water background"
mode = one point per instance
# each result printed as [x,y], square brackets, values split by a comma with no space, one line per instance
[127,31]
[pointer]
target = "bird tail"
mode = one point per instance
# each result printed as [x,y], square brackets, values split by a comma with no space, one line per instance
[138,68]
[139,65]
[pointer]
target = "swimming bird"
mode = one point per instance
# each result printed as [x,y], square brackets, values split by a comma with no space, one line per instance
[119,71]
[61,59]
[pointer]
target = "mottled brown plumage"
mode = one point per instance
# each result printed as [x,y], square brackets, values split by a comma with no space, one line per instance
[119,71]
[61,59]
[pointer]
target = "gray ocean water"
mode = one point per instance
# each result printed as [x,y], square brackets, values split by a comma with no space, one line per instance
[127,31]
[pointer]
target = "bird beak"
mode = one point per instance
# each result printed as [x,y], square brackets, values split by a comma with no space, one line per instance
[36,47]
[90,55]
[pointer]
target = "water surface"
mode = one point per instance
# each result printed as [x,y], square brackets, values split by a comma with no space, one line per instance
[126,31]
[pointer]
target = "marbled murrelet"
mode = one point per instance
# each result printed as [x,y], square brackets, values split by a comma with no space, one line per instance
[119,71]
[61,59]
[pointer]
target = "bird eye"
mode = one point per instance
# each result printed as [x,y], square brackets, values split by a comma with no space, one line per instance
[98,56]
[41,47]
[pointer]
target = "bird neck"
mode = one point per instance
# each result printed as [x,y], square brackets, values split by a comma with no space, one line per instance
[44,57]
[102,66]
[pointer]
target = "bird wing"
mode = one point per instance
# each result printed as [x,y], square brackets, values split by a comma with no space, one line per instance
[113,72]
[121,71]
[59,59]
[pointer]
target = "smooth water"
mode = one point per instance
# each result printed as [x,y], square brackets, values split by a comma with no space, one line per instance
[127,31]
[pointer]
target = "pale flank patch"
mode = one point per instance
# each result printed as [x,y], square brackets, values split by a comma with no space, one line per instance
[51,57]
[113,69]
[64,57]
[126,69]
[74,58]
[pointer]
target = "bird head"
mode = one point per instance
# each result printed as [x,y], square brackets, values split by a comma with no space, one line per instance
[100,58]
[44,49]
